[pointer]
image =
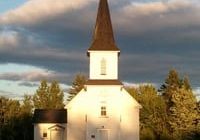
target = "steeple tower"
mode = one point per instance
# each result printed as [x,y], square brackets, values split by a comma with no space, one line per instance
[103,52]
[103,38]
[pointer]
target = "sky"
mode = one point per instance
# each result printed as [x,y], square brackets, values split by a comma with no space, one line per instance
[48,39]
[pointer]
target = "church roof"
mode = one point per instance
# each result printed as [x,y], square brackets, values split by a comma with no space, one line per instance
[50,116]
[103,37]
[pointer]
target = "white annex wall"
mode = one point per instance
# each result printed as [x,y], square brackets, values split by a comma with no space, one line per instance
[49,129]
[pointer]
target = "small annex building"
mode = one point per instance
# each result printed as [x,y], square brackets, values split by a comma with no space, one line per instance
[50,124]
[103,109]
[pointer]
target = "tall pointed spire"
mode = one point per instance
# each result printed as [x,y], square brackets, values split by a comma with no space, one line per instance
[103,37]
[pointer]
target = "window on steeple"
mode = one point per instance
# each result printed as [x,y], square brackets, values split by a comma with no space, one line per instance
[103,66]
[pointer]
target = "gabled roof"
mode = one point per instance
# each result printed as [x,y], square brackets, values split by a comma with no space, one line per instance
[50,116]
[103,37]
[57,126]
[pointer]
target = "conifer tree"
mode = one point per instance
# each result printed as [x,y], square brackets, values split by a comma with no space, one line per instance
[172,83]
[181,105]
[41,97]
[27,106]
[198,118]
[182,113]
[77,85]
[153,113]
[48,97]
[56,96]
[186,83]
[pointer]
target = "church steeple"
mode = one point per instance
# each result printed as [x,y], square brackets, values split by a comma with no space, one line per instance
[103,52]
[103,37]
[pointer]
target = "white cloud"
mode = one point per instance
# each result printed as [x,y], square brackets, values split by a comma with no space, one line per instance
[31,74]
[137,85]
[25,76]
[34,11]
[197,92]
[17,89]
[34,75]
[139,17]
[157,7]
[134,16]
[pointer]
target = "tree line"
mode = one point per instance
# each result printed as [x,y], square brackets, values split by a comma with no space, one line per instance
[171,112]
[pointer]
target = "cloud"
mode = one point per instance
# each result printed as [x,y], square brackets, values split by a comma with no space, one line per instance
[134,16]
[4,92]
[154,36]
[8,39]
[137,85]
[9,94]
[33,76]
[144,17]
[196,91]
[28,84]
[35,11]
[157,7]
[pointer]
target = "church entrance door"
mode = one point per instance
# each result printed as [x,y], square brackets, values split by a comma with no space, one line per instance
[56,135]
[102,134]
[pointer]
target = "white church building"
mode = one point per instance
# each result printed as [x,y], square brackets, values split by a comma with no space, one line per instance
[103,109]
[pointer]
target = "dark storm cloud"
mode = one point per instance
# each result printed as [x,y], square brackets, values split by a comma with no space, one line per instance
[153,36]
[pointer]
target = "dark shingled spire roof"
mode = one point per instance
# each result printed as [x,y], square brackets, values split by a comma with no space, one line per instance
[103,38]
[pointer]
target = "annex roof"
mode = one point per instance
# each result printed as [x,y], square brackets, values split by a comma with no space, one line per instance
[50,116]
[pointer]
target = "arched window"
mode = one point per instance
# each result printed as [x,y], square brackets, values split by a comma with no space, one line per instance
[103,66]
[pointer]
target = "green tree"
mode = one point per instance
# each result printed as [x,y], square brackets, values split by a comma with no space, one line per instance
[48,97]
[198,119]
[25,119]
[153,113]
[41,97]
[56,96]
[182,113]
[3,109]
[12,110]
[16,119]
[172,83]
[27,105]
[77,85]
[186,83]
[181,105]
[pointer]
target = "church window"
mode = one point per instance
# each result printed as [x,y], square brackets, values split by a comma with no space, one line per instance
[103,66]
[44,134]
[103,111]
